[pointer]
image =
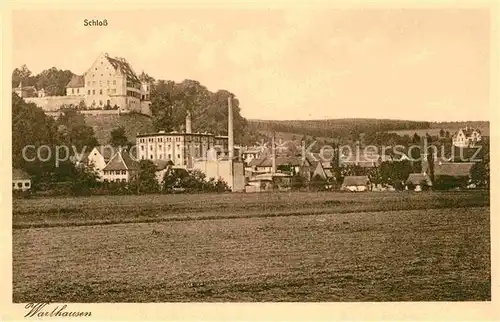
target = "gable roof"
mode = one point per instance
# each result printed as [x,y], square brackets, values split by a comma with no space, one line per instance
[121,161]
[418,178]
[268,162]
[19,174]
[76,81]
[162,164]
[124,66]
[453,169]
[355,181]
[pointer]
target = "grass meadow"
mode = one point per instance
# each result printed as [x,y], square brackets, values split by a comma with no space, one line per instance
[253,247]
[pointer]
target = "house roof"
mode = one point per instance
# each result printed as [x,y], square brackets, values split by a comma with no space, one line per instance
[107,151]
[162,164]
[19,174]
[122,161]
[418,178]
[268,162]
[124,66]
[467,131]
[454,169]
[76,81]
[355,181]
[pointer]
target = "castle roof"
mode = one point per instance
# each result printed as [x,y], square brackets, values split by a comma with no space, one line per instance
[76,81]
[124,66]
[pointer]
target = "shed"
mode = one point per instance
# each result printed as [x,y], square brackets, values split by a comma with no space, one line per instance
[20,180]
[355,183]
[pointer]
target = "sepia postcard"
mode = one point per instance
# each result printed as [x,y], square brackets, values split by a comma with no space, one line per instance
[249,161]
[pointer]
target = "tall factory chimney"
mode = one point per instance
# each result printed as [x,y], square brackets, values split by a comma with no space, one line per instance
[273,156]
[188,122]
[230,127]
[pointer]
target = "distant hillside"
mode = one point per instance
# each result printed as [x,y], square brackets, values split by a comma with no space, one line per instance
[335,127]
[452,127]
[347,130]
[132,123]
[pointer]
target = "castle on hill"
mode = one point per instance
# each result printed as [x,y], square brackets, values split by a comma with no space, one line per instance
[109,84]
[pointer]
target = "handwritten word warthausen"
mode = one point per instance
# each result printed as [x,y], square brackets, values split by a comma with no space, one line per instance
[40,310]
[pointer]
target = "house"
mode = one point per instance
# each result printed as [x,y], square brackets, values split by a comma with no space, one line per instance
[284,164]
[121,168]
[466,137]
[269,182]
[99,156]
[417,180]
[25,91]
[248,154]
[21,181]
[355,183]
[162,167]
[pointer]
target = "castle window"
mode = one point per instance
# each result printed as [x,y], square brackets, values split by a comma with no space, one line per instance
[108,83]
[151,156]
[114,82]
[100,91]
[100,103]
[78,91]
[93,83]
[93,91]
[72,91]
[89,91]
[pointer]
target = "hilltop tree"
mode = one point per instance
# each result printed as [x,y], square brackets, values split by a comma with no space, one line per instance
[119,137]
[73,131]
[22,74]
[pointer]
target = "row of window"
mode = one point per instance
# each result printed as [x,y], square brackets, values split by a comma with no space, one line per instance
[73,91]
[100,82]
[161,157]
[133,94]
[169,147]
[20,184]
[108,102]
[110,91]
[111,172]
[117,180]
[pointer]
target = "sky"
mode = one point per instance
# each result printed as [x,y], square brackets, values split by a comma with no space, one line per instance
[285,64]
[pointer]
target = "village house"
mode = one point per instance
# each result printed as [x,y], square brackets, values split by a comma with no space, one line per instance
[21,181]
[121,168]
[355,183]
[288,165]
[248,154]
[466,137]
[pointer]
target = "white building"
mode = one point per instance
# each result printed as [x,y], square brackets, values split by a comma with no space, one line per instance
[121,168]
[466,137]
[21,181]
